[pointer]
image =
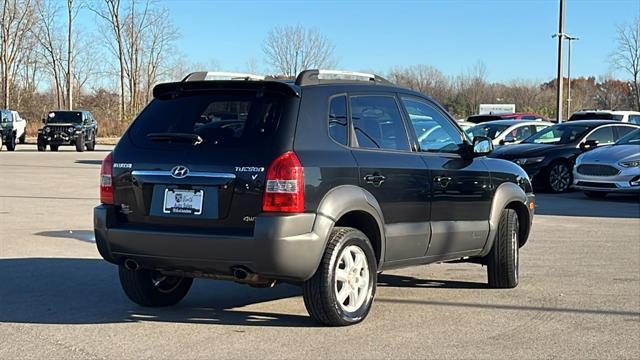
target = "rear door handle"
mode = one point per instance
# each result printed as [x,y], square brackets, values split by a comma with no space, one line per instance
[376,179]
[443,181]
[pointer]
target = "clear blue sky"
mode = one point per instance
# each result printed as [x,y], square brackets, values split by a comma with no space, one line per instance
[512,38]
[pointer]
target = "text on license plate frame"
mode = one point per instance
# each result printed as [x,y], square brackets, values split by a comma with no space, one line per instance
[187,211]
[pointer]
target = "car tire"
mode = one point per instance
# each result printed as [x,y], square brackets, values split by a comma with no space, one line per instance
[559,177]
[503,261]
[80,143]
[341,291]
[23,138]
[152,289]
[11,144]
[54,147]
[42,146]
[91,145]
[595,194]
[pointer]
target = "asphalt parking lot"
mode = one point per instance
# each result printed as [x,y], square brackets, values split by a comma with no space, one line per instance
[579,295]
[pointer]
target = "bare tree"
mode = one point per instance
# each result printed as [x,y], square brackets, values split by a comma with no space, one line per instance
[291,49]
[72,12]
[626,56]
[50,45]
[17,20]
[110,12]
[159,43]
[423,78]
[473,88]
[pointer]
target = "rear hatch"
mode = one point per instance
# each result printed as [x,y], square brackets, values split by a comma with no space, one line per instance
[195,159]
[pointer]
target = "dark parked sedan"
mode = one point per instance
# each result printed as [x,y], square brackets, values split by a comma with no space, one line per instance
[549,155]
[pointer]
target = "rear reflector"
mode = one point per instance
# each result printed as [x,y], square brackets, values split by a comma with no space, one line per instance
[106,180]
[284,191]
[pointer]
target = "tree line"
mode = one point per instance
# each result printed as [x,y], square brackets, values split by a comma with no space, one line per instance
[49,61]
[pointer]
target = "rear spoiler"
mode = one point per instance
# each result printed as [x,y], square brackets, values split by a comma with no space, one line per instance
[174,88]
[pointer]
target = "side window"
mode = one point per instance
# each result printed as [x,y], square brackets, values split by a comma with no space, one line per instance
[624,130]
[338,129]
[377,123]
[433,129]
[520,133]
[603,135]
[540,127]
[634,119]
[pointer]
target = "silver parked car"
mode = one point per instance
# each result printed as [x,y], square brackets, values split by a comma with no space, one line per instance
[614,168]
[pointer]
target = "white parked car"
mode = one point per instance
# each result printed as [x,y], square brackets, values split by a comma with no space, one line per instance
[504,132]
[632,117]
[12,129]
[614,168]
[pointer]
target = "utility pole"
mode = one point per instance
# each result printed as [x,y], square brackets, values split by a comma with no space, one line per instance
[569,39]
[69,56]
[560,36]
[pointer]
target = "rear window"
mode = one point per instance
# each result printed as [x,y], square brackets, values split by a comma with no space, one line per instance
[219,119]
[64,117]
[595,116]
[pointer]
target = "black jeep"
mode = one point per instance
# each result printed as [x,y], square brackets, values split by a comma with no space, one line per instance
[322,182]
[62,127]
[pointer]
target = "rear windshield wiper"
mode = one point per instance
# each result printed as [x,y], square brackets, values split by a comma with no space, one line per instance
[194,139]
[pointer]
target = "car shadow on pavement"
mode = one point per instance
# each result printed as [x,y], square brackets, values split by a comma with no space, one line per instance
[607,312]
[390,280]
[82,235]
[87,291]
[575,203]
[89,162]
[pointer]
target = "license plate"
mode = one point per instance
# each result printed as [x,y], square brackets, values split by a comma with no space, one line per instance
[178,201]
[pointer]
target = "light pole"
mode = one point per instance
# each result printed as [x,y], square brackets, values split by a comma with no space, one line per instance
[569,39]
[560,36]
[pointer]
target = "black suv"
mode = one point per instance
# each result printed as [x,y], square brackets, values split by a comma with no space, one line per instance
[322,182]
[66,127]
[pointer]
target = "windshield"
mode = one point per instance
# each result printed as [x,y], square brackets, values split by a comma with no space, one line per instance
[632,138]
[558,134]
[64,117]
[490,130]
[220,119]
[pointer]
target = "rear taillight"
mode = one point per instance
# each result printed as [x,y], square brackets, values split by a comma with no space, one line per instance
[106,180]
[284,190]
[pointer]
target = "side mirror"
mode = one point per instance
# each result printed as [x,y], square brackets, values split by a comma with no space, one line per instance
[482,146]
[589,145]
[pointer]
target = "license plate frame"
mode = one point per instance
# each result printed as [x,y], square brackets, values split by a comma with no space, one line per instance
[182,197]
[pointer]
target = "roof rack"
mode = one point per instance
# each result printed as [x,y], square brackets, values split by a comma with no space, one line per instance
[321,76]
[220,75]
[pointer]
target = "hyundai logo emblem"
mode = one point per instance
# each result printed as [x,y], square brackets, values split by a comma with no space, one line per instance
[179,172]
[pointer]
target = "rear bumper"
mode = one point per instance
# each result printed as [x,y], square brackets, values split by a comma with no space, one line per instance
[287,247]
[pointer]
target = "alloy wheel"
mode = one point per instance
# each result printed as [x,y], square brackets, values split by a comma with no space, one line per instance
[351,285]
[559,178]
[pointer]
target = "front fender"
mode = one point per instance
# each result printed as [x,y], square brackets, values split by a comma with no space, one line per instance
[505,194]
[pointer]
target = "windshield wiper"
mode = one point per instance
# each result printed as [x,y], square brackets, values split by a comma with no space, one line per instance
[194,139]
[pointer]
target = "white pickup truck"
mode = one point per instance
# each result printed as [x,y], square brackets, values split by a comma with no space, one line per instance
[12,129]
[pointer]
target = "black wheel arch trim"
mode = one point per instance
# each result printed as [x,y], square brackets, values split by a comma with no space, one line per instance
[509,195]
[344,199]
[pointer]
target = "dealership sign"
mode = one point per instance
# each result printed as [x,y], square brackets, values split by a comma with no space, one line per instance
[497,108]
